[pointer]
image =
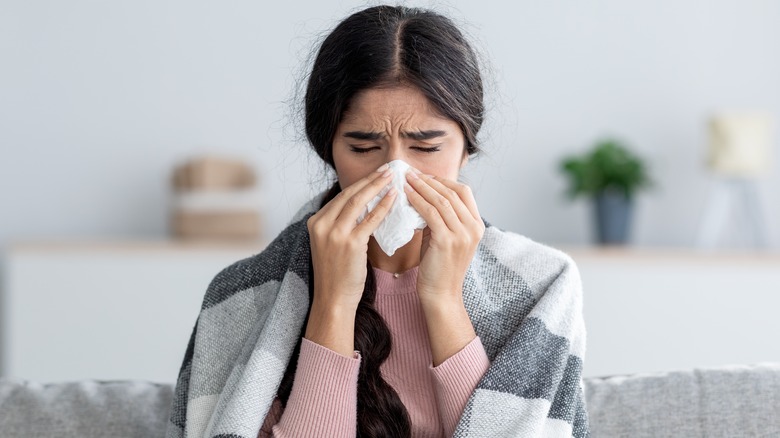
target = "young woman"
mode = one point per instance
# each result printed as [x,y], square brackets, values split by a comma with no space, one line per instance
[464,331]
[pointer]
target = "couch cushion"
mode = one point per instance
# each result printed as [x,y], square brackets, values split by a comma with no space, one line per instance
[741,401]
[84,409]
[732,401]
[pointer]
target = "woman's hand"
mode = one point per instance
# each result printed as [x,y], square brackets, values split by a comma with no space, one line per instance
[448,246]
[339,248]
[451,237]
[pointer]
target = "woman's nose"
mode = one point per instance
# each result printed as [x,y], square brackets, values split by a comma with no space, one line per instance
[396,153]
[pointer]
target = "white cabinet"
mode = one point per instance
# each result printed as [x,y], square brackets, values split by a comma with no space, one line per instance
[126,310]
[662,310]
[122,310]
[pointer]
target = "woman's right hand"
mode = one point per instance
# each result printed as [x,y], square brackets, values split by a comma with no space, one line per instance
[339,250]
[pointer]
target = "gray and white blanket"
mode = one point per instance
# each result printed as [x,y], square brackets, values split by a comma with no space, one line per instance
[524,299]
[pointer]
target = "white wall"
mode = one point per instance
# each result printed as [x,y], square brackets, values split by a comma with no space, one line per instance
[98,100]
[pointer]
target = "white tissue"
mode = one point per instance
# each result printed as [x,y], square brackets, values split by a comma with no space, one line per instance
[397,229]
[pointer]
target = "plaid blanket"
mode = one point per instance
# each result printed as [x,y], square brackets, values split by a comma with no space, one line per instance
[524,299]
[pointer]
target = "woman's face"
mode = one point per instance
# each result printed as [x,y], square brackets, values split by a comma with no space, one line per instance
[386,124]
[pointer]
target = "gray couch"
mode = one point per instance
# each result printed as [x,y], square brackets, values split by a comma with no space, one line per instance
[738,401]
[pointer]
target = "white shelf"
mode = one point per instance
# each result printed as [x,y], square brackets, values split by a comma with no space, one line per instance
[643,255]
[127,246]
[649,310]
[125,309]
[105,310]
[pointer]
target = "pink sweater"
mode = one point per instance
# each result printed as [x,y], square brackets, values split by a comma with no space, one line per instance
[323,401]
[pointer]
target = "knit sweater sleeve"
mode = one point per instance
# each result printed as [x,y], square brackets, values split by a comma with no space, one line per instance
[323,400]
[455,379]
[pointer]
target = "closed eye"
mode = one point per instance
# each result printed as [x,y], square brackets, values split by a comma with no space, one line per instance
[363,150]
[428,150]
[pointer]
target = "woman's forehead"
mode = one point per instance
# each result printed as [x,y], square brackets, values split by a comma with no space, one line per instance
[378,107]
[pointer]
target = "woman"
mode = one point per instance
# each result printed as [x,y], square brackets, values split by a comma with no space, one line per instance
[464,331]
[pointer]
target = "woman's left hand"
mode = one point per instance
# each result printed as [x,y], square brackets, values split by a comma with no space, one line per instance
[450,239]
[448,245]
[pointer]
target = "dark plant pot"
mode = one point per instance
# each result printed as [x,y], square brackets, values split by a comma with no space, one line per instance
[613,217]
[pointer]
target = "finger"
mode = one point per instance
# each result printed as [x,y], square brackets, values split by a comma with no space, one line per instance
[426,210]
[358,202]
[375,217]
[332,209]
[442,204]
[464,193]
[463,213]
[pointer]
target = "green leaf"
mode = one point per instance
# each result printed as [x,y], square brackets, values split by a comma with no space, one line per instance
[609,165]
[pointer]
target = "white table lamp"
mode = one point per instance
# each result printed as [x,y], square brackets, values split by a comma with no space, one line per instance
[739,151]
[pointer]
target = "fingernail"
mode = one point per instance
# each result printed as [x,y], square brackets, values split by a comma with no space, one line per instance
[383,167]
[415,170]
[412,175]
[408,188]
[392,192]
[387,173]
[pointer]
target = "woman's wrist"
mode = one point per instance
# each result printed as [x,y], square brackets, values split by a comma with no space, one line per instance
[441,302]
[333,327]
[449,326]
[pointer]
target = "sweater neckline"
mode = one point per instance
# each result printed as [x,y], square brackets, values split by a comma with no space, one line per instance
[389,283]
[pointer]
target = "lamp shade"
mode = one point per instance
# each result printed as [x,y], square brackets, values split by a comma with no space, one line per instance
[740,143]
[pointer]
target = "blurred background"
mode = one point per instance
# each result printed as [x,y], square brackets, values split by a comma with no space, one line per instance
[123,125]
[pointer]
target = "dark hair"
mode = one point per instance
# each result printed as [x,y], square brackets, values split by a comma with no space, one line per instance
[386,46]
[389,46]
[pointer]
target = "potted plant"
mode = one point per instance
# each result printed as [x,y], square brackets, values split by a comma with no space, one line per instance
[611,176]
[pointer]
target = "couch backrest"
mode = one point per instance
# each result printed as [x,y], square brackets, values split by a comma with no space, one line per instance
[735,401]
[86,409]
[738,401]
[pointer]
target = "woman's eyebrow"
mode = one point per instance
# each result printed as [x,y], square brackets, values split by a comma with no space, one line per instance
[416,135]
[423,135]
[362,135]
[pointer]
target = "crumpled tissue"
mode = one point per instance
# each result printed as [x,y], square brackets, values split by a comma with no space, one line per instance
[397,228]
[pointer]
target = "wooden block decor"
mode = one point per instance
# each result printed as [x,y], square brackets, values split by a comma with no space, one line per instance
[216,225]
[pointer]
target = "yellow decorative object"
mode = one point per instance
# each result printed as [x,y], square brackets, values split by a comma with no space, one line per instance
[740,143]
